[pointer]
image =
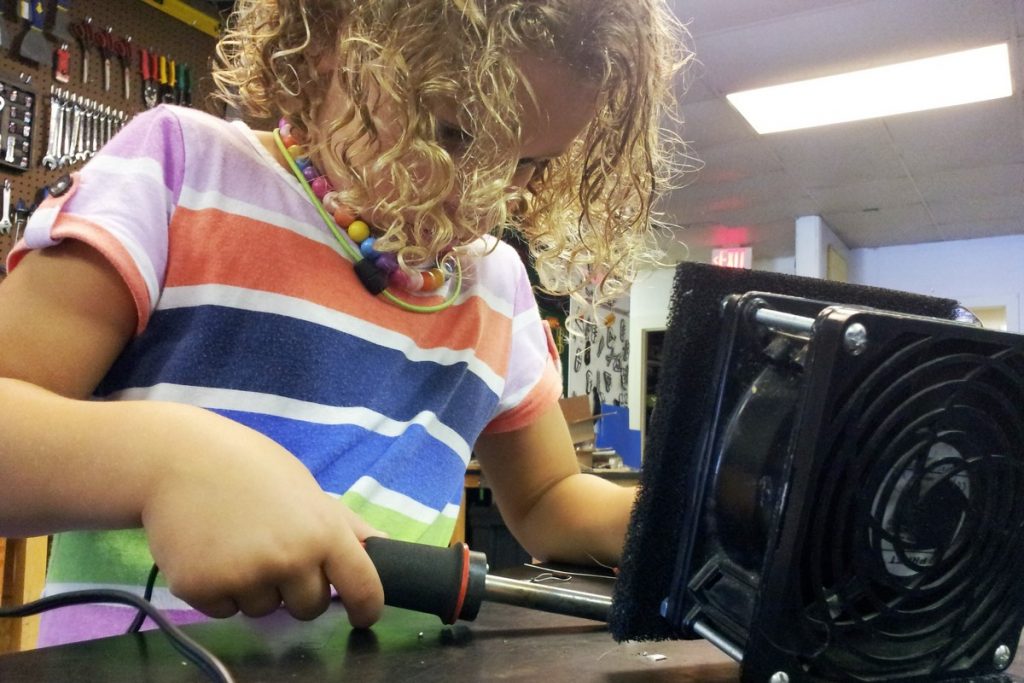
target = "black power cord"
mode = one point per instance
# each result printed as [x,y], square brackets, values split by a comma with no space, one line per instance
[190,649]
[147,595]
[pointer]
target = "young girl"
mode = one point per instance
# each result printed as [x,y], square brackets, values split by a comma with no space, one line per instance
[214,325]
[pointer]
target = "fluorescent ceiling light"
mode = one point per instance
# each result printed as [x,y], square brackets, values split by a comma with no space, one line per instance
[943,81]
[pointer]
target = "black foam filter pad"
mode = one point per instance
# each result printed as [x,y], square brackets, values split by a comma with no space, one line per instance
[684,385]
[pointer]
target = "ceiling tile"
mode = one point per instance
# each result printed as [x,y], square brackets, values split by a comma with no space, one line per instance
[837,38]
[738,201]
[710,16]
[714,122]
[873,194]
[886,226]
[832,156]
[976,229]
[968,136]
[980,210]
[969,183]
[734,161]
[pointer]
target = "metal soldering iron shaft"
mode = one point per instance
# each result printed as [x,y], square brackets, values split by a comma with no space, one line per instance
[546,598]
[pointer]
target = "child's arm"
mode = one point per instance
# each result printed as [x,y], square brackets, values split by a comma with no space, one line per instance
[556,512]
[234,521]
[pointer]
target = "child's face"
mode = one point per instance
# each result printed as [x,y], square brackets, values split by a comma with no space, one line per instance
[560,107]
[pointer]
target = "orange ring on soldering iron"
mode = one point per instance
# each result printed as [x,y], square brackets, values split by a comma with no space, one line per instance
[465,584]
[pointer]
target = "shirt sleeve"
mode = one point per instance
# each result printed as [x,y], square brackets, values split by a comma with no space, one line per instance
[120,203]
[534,381]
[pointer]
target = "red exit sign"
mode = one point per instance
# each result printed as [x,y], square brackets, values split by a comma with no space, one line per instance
[733,257]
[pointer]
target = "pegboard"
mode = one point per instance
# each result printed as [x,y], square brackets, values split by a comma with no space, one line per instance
[148,27]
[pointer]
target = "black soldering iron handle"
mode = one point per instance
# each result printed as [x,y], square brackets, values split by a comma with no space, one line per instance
[448,582]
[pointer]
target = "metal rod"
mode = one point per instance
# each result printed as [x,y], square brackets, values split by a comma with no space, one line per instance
[785,322]
[718,640]
[547,598]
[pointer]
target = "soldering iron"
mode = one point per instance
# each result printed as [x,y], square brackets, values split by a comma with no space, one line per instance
[452,583]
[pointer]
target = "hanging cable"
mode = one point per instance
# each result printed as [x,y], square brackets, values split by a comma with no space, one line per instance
[190,649]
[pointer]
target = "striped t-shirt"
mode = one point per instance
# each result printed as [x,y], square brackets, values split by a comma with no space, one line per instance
[248,307]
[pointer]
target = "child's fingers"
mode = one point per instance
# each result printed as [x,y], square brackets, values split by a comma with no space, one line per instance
[218,608]
[306,597]
[351,572]
[360,527]
[259,602]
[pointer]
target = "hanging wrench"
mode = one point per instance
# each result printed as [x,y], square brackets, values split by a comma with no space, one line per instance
[5,220]
[68,145]
[50,159]
[83,129]
[97,130]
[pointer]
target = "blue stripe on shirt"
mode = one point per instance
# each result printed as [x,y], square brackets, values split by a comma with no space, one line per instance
[215,346]
[415,465]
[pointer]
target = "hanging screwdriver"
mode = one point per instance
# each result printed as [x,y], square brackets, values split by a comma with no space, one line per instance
[452,582]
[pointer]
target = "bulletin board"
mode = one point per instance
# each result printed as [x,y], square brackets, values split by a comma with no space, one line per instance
[148,27]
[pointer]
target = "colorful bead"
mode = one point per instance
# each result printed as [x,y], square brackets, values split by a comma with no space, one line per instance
[387,261]
[432,279]
[310,173]
[366,248]
[344,218]
[357,230]
[410,281]
[321,186]
[448,266]
[296,152]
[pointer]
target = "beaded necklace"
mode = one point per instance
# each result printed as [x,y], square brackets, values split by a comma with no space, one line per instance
[379,272]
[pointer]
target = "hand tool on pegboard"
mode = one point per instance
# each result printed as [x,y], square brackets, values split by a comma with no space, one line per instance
[5,40]
[62,22]
[123,49]
[172,80]
[105,42]
[5,219]
[163,79]
[21,214]
[54,132]
[179,84]
[33,45]
[186,87]
[62,64]
[83,31]
[148,64]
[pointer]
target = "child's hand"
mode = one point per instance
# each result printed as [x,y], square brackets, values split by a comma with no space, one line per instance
[240,525]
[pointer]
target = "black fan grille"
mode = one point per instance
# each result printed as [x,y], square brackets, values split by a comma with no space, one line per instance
[911,559]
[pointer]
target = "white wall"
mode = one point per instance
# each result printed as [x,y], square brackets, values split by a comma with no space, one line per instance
[981,272]
[783,264]
[649,301]
[813,239]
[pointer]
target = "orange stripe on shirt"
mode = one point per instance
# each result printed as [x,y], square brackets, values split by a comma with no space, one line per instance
[206,245]
[69,226]
[540,398]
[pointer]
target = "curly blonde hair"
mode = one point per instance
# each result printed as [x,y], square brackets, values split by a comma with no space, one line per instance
[586,216]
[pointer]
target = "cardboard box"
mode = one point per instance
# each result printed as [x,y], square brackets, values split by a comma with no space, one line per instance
[576,410]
